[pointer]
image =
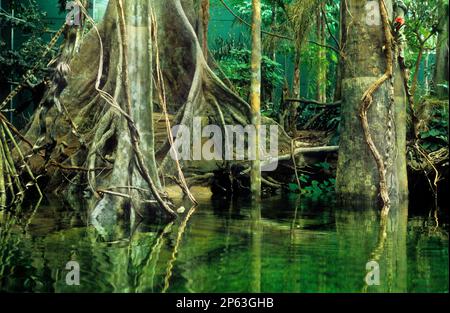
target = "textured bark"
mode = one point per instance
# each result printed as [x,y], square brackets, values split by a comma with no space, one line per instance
[442,49]
[338,89]
[205,23]
[415,78]
[293,106]
[108,129]
[357,175]
[255,97]
[322,57]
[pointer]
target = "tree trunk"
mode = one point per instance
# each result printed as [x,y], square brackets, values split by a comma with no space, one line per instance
[103,146]
[338,90]
[255,97]
[322,57]
[441,70]
[426,64]
[417,69]
[273,50]
[358,176]
[204,13]
[293,106]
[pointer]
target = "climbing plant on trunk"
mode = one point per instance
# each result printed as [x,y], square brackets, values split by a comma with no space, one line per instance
[373,116]
[144,53]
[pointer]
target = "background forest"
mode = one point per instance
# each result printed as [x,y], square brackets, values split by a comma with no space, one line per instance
[358,91]
[300,67]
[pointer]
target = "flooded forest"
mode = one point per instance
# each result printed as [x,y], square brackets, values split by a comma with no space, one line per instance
[194,146]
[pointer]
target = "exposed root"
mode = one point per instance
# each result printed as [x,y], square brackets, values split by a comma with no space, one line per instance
[133,131]
[162,98]
[12,189]
[295,165]
[96,139]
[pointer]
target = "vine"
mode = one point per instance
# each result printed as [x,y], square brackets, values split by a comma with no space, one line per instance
[366,102]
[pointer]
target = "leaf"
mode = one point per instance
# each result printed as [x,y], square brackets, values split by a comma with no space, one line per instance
[293,187]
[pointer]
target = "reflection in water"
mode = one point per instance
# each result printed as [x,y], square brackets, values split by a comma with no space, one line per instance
[256,235]
[280,245]
[175,249]
[390,250]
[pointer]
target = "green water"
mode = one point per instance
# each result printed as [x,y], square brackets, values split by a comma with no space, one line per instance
[285,245]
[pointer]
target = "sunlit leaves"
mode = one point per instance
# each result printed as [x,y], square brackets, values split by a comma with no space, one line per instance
[235,64]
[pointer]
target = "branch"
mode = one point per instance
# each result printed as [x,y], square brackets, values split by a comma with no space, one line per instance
[248,24]
[304,150]
[14,130]
[10,17]
[329,30]
[325,46]
[53,163]
[310,101]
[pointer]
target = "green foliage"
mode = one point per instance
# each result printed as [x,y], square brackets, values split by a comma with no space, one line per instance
[316,185]
[294,19]
[244,9]
[29,25]
[436,136]
[421,22]
[317,189]
[420,33]
[27,17]
[235,64]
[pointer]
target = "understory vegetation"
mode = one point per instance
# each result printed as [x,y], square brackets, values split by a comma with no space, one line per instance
[224,146]
[302,66]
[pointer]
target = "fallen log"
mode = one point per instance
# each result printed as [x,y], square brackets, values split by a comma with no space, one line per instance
[317,103]
[303,150]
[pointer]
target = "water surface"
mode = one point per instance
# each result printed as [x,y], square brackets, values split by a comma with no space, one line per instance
[284,245]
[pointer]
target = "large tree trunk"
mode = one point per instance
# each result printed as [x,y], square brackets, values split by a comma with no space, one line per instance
[358,175]
[255,96]
[109,154]
[296,90]
[204,14]
[322,55]
[338,90]
[441,70]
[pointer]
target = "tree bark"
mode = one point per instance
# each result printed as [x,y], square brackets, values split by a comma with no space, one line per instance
[106,133]
[255,97]
[205,25]
[293,106]
[358,176]
[442,55]
[417,69]
[322,56]
[338,90]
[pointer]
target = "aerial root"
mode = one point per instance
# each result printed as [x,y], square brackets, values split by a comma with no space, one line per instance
[10,182]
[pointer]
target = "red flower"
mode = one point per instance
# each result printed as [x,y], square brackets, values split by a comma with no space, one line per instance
[400,21]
